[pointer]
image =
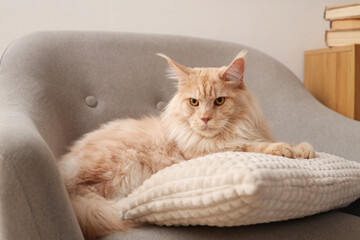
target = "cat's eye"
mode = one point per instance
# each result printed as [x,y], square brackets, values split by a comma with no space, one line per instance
[219,101]
[194,102]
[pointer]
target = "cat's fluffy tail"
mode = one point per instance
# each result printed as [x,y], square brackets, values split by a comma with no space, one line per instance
[98,216]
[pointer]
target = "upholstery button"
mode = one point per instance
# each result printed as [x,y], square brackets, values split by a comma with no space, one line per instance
[91,101]
[160,106]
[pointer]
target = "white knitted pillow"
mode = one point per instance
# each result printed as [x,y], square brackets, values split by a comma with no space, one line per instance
[235,188]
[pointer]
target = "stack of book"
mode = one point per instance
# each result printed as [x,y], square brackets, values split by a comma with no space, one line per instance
[344,25]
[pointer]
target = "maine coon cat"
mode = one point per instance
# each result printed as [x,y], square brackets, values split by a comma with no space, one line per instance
[212,111]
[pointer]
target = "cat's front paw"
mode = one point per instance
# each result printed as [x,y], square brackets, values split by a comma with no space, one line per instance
[281,149]
[304,150]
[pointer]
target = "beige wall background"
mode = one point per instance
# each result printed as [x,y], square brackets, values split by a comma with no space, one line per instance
[281,28]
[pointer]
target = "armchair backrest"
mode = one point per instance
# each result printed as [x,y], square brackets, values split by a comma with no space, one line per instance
[69,83]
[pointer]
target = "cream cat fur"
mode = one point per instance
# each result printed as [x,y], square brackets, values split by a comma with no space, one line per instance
[212,111]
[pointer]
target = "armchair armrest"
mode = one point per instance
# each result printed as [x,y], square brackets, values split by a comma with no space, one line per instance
[33,200]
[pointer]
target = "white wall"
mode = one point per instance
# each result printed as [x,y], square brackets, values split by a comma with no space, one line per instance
[280,28]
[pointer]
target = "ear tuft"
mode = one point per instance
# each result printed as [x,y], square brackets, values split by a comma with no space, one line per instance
[163,56]
[241,54]
[235,71]
[178,71]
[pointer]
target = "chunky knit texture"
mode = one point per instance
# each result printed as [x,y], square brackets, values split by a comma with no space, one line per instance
[236,188]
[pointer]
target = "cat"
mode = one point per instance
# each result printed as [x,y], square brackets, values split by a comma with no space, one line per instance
[212,111]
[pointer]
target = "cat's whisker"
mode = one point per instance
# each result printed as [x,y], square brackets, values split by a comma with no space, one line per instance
[247,127]
[229,130]
[246,130]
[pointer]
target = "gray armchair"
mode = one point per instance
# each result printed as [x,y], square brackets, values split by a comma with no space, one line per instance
[56,86]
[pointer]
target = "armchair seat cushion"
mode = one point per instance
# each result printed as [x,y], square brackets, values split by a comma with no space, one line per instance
[326,226]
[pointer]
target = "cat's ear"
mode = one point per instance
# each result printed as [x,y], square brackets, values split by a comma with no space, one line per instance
[235,71]
[180,72]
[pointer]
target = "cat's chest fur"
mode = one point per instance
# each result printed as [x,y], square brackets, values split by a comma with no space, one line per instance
[152,138]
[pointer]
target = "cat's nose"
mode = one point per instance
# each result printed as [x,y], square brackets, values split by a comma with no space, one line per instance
[206,119]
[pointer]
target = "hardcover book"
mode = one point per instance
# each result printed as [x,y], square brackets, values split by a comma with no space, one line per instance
[342,11]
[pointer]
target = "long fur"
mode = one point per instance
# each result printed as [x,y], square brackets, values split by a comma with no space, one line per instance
[107,164]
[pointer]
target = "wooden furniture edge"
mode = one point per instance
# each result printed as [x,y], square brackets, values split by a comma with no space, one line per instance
[330,50]
[357,82]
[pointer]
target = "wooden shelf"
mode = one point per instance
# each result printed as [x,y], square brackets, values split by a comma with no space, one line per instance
[332,75]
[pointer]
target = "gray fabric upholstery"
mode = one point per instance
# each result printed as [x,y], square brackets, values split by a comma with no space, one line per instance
[33,200]
[328,226]
[55,86]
